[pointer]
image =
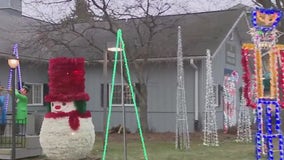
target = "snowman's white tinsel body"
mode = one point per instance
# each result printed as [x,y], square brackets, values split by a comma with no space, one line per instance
[59,141]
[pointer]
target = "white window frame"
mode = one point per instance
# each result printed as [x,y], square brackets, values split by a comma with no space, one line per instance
[31,85]
[216,95]
[120,105]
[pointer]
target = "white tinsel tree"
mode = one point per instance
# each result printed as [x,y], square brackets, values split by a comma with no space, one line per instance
[182,134]
[210,126]
[244,123]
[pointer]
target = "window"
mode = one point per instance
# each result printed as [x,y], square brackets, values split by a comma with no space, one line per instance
[117,97]
[35,94]
[216,95]
[231,54]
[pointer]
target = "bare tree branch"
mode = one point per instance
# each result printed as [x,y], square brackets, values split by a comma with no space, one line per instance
[266,3]
[106,16]
[87,19]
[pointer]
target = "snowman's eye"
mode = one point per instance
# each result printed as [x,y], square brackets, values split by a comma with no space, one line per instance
[63,103]
[52,104]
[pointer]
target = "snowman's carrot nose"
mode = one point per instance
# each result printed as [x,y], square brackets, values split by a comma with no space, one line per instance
[57,107]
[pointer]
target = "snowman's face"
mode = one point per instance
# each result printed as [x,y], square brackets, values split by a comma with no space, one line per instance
[62,106]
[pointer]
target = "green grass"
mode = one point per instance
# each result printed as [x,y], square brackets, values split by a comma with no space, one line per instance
[165,150]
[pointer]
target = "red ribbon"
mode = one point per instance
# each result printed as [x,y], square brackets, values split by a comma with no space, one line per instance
[74,121]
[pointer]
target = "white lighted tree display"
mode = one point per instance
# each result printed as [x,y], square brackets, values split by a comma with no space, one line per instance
[244,123]
[210,126]
[182,134]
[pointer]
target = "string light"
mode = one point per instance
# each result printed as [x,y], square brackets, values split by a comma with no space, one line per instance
[247,75]
[264,35]
[281,76]
[210,126]
[259,74]
[182,134]
[269,135]
[16,53]
[256,13]
[244,123]
[120,41]
[273,76]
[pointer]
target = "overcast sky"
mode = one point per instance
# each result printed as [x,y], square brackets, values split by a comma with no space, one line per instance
[58,11]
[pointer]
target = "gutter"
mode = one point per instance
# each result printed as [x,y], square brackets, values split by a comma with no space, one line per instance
[168,59]
[228,34]
[196,109]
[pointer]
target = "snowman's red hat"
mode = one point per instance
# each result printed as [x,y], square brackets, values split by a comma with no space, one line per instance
[66,80]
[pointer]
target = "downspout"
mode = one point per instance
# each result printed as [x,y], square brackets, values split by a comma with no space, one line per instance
[196,121]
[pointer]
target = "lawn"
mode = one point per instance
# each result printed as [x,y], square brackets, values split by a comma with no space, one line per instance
[162,147]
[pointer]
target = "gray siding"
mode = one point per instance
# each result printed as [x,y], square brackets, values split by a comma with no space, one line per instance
[162,97]
[12,4]
[161,86]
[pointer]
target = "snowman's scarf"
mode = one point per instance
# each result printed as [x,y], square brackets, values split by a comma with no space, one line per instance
[74,121]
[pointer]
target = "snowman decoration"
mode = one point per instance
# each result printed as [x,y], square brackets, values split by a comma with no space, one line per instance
[67,131]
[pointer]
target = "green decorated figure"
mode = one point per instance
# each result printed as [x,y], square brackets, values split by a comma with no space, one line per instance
[22,110]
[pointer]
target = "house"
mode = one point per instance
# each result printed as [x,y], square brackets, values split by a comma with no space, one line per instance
[222,32]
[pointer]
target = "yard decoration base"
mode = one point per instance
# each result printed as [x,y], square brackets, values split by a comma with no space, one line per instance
[244,123]
[120,44]
[264,140]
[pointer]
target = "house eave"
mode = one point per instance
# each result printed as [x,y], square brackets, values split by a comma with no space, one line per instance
[166,59]
[228,34]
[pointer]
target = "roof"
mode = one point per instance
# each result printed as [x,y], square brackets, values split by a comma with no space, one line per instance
[15,28]
[240,6]
[200,31]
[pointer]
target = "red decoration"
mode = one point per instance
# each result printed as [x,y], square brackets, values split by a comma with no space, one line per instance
[66,80]
[74,121]
[246,78]
[281,81]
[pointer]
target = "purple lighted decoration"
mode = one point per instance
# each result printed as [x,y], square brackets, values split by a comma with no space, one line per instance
[7,96]
[15,53]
